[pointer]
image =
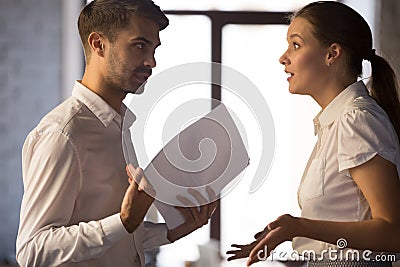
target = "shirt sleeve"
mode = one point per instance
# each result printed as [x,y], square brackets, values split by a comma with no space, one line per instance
[362,135]
[155,235]
[52,180]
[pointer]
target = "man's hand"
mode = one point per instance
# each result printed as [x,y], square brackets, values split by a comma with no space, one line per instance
[194,218]
[136,201]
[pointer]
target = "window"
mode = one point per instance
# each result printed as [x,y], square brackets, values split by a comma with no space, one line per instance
[254,51]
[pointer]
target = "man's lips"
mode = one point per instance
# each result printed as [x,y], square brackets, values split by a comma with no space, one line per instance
[142,73]
[142,76]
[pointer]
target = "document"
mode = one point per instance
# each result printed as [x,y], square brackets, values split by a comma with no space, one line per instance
[209,152]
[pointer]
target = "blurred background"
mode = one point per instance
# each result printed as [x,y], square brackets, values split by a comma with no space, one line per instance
[41,57]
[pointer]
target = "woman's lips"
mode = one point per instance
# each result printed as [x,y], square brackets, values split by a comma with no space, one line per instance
[290,74]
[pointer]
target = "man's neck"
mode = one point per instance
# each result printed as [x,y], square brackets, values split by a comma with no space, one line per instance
[98,86]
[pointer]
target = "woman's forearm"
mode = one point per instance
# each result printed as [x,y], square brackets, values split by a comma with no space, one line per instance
[375,234]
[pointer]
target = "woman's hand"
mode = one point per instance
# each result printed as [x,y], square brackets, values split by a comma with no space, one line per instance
[282,229]
[243,251]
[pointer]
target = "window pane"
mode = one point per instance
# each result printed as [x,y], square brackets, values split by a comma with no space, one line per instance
[254,51]
[180,44]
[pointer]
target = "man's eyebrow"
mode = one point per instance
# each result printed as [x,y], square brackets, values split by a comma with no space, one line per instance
[145,40]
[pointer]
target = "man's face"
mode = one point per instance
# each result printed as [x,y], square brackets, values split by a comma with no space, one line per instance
[130,58]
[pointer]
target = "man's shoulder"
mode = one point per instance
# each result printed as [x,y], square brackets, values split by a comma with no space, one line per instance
[65,118]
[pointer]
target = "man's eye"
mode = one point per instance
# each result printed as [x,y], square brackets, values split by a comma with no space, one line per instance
[139,45]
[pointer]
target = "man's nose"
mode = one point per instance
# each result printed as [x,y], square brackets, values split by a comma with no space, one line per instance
[150,62]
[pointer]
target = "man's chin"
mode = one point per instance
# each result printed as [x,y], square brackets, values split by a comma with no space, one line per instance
[139,90]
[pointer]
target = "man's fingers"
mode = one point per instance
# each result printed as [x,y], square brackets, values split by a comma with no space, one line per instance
[134,173]
[202,215]
[186,211]
[208,206]
[213,197]
[133,187]
[147,186]
[199,197]
[135,190]
[211,194]
[138,175]
[200,212]
[185,201]
[212,208]
[130,170]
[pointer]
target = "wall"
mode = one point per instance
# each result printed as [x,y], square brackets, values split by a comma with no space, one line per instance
[390,32]
[30,86]
[30,48]
[389,14]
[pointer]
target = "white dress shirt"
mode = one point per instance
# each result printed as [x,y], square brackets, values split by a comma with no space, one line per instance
[74,182]
[351,130]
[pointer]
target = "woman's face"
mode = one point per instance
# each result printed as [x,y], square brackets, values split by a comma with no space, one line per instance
[304,60]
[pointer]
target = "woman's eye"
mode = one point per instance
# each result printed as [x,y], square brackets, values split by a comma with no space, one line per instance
[296,46]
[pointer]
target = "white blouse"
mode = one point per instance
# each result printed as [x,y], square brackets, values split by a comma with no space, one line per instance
[351,130]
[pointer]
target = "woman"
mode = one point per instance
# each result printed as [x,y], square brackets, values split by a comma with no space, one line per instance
[350,190]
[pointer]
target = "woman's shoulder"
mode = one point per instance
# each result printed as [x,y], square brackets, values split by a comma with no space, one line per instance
[364,110]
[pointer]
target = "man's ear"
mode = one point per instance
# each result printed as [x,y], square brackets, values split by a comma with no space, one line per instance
[333,53]
[97,43]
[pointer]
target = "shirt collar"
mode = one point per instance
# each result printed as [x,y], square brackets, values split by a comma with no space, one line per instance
[129,117]
[326,116]
[104,112]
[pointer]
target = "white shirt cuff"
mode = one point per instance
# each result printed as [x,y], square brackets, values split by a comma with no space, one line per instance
[113,228]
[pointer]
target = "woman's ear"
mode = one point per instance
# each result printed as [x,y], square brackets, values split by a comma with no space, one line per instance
[333,53]
[96,43]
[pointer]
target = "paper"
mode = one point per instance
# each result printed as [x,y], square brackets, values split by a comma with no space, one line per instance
[209,152]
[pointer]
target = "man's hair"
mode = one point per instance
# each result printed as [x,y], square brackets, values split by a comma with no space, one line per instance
[109,17]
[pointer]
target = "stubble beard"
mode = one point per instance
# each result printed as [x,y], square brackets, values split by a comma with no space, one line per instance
[119,76]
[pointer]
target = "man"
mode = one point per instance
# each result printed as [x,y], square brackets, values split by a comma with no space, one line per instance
[78,208]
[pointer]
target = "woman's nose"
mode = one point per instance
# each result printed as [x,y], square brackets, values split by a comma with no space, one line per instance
[284,59]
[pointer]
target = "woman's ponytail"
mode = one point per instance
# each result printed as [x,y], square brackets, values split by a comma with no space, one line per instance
[384,89]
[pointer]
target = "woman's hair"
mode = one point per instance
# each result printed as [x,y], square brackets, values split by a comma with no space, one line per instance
[334,22]
[109,17]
